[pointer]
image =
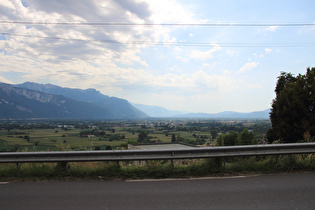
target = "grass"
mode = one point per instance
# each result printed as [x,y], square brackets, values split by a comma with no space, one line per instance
[158,169]
[52,139]
[58,139]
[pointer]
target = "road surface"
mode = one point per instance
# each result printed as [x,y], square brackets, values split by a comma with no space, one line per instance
[276,191]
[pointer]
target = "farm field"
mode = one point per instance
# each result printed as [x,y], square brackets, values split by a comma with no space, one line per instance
[114,135]
[52,139]
[57,139]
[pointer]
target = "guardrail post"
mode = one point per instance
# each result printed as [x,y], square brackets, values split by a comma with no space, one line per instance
[172,161]
[18,166]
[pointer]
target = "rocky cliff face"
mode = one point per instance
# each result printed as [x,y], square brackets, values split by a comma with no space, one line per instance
[121,108]
[24,103]
[29,94]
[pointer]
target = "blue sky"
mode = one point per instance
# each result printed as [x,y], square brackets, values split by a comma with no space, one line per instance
[186,67]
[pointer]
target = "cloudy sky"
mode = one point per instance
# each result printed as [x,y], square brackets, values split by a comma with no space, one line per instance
[195,56]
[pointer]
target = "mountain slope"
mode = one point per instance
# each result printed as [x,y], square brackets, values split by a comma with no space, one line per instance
[156,111]
[230,115]
[119,108]
[23,103]
[89,95]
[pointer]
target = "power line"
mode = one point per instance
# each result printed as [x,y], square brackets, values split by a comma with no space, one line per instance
[161,24]
[184,44]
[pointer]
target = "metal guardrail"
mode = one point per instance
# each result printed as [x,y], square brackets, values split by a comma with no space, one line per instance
[168,154]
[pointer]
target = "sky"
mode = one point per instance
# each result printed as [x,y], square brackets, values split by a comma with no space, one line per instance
[193,56]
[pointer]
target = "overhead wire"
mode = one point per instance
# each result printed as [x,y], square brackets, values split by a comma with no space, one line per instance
[218,24]
[170,43]
[152,43]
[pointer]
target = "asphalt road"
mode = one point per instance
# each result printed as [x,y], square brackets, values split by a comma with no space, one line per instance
[277,191]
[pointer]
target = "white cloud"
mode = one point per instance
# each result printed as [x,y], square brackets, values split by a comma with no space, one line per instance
[164,11]
[7,4]
[100,40]
[204,55]
[267,50]
[64,48]
[248,66]
[272,28]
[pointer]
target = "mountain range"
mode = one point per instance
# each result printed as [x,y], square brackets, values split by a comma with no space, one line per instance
[230,115]
[32,100]
[47,101]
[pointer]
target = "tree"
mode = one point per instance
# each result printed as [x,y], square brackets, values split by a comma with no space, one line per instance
[173,138]
[246,137]
[108,148]
[220,140]
[229,139]
[143,136]
[214,134]
[292,114]
[27,138]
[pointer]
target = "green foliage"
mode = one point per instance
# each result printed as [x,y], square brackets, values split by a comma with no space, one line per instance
[220,140]
[173,138]
[27,138]
[247,138]
[293,110]
[214,133]
[143,136]
[231,139]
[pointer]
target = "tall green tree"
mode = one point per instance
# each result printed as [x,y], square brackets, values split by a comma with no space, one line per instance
[173,138]
[229,139]
[220,140]
[246,138]
[292,114]
[143,136]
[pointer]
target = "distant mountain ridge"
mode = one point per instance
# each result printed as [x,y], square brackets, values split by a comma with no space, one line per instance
[119,108]
[88,95]
[230,115]
[157,111]
[160,112]
[33,100]
[19,103]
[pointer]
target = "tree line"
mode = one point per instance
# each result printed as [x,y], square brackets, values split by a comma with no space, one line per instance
[231,139]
